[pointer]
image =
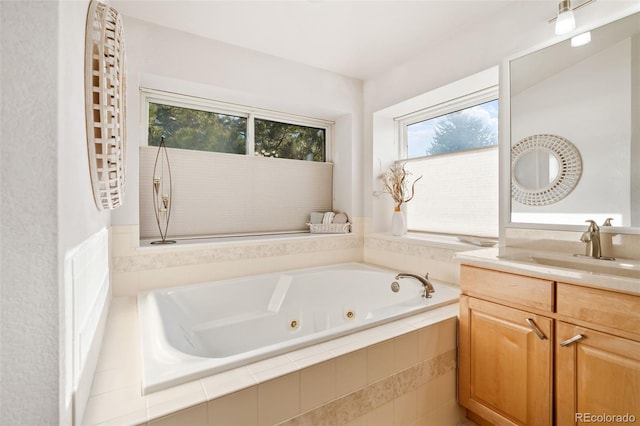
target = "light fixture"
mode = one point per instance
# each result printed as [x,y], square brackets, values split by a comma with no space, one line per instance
[565,23]
[581,39]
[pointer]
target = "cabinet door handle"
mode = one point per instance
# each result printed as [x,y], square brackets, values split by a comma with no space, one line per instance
[572,340]
[535,329]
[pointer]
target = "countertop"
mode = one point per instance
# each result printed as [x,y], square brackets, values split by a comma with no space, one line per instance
[508,259]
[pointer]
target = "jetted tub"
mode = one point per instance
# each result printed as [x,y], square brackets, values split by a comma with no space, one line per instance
[194,331]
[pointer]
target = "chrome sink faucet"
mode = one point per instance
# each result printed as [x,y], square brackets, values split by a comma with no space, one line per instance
[426,284]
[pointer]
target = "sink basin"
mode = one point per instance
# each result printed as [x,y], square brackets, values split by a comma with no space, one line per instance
[628,268]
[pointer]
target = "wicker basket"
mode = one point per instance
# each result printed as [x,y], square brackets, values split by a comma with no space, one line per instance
[330,228]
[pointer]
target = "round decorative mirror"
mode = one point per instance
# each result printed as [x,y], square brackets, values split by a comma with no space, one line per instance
[544,169]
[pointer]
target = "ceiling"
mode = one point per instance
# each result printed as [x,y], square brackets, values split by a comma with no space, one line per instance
[360,39]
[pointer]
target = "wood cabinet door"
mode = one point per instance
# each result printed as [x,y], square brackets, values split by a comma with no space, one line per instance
[597,377]
[505,363]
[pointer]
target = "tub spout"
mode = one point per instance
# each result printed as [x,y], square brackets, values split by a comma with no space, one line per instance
[426,284]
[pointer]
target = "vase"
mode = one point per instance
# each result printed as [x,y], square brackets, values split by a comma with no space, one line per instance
[398,224]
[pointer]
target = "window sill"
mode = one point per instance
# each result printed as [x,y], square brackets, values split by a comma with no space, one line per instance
[203,242]
[436,240]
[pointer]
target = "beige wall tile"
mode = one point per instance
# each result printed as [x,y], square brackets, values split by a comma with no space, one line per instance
[124,283]
[381,416]
[405,409]
[380,361]
[351,372]
[107,406]
[428,403]
[279,399]
[447,335]
[447,387]
[195,416]
[238,409]
[317,385]
[360,421]
[120,245]
[395,261]
[450,414]
[125,375]
[405,351]
[175,398]
[428,342]
[227,382]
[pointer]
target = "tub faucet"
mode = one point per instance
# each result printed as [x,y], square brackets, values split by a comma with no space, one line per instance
[426,284]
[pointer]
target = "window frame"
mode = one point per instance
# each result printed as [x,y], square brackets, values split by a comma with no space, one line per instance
[148,96]
[433,111]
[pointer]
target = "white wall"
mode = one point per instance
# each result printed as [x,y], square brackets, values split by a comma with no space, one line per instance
[165,59]
[473,50]
[47,207]
[385,147]
[83,248]
[635,131]
[29,363]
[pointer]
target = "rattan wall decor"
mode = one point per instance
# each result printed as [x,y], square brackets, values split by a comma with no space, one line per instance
[105,103]
[569,169]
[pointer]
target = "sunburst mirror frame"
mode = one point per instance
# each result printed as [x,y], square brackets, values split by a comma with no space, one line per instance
[105,102]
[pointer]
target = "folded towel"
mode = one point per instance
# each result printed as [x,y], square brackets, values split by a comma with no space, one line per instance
[340,218]
[317,217]
[328,218]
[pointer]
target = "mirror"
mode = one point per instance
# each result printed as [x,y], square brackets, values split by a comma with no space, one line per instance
[535,170]
[544,170]
[588,95]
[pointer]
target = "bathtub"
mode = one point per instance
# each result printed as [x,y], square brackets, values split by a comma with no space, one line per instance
[194,331]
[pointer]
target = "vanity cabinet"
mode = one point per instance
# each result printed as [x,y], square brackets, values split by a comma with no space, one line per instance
[597,374]
[597,371]
[506,347]
[505,366]
[534,351]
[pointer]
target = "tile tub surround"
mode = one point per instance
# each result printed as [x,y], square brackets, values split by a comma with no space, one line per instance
[402,372]
[136,268]
[418,253]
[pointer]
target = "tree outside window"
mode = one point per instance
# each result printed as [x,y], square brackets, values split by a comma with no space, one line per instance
[195,129]
[470,128]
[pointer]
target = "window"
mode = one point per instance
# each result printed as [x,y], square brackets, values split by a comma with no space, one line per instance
[274,139]
[469,128]
[189,128]
[235,169]
[454,146]
[190,123]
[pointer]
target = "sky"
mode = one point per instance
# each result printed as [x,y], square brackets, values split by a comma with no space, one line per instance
[420,135]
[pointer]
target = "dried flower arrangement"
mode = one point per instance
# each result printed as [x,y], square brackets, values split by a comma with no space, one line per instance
[395,182]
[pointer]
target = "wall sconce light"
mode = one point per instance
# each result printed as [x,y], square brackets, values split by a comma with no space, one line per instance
[565,22]
[581,39]
[565,19]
